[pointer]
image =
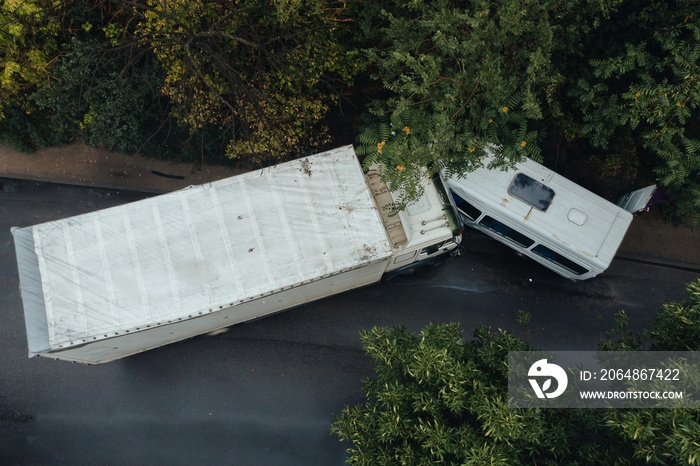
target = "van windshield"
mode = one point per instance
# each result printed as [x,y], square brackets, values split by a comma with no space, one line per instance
[531,192]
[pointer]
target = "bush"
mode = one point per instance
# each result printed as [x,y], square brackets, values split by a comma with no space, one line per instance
[437,399]
[440,400]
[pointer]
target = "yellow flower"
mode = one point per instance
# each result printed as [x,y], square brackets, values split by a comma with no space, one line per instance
[522,144]
[406,130]
[401,168]
[504,109]
[380,146]
[472,149]
[490,120]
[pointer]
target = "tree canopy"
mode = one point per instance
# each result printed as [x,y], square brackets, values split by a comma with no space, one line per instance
[438,399]
[615,83]
[606,92]
[267,71]
[459,78]
[259,75]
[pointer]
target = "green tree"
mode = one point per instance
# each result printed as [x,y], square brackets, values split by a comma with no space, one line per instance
[28,43]
[639,91]
[667,436]
[437,399]
[677,327]
[266,71]
[99,100]
[614,84]
[87,90]
[259,76]
[460,77]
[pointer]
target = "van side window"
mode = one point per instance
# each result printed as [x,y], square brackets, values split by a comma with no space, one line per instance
[506,231]
[531,192]
[466,208]
[558,259]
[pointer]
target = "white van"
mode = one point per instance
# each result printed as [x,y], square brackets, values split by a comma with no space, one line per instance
[544,216]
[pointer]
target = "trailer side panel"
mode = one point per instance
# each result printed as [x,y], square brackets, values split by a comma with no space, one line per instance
[116,347]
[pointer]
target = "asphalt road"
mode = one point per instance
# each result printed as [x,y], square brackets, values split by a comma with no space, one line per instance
[266,392]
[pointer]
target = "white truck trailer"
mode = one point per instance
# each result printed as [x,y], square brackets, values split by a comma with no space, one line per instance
[111,283]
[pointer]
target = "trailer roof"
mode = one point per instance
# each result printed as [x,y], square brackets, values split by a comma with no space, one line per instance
[189,252]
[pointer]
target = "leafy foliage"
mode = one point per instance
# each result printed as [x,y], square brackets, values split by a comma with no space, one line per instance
[664,436]
[621,338]
[643,91]
[29,40]
[440,400]
[16,128]
[107,104]
[677,327]
[459,80]
[267,71]
[249,79]
[612,83]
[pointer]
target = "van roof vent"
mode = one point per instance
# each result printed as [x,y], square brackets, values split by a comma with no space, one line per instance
[577,217]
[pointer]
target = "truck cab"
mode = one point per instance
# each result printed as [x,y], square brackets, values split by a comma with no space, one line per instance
[422,233]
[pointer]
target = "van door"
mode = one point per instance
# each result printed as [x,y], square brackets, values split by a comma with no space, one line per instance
[637,200]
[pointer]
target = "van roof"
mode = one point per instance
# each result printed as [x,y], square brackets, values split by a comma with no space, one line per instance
[575,219]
